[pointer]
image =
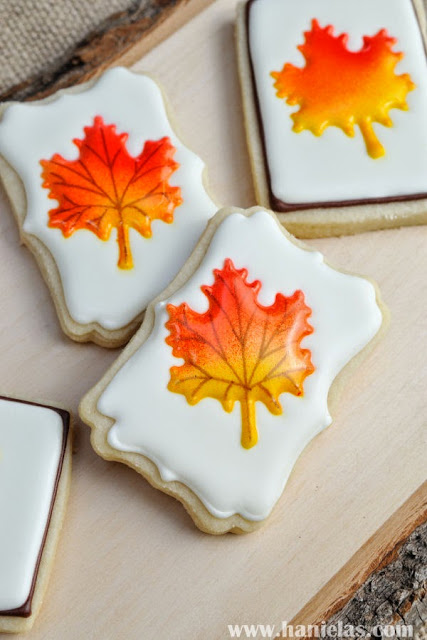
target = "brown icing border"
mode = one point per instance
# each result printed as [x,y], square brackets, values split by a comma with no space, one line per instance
[24,611]
[286,207]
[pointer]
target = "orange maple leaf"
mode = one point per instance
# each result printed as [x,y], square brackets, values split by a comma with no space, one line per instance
[106,188]
[239,350]
[343,88]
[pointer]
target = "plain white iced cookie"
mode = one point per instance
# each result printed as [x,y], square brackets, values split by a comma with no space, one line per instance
[35,468]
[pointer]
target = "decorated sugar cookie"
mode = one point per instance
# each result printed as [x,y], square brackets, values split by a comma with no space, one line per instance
[35,467]
[335,96]
[106,196]
[233,370]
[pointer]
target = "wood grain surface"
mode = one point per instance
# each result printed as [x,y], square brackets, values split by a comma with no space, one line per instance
[131,564]
[396,593]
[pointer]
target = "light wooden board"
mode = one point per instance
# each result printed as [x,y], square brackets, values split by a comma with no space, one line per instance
[131,564]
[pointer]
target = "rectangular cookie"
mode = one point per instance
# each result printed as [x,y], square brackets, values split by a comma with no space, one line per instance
[335,102]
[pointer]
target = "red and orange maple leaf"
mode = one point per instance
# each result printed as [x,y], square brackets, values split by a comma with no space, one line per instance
[106,188]
[239,350]
[343,88]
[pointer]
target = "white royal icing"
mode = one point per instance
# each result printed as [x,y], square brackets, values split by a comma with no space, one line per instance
[333,167]
[95,289]
[200,445]
[31,440]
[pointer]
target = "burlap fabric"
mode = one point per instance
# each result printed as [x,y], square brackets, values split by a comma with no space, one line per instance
[35,34]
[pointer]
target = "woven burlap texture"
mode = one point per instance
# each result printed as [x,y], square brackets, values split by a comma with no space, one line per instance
[38,33]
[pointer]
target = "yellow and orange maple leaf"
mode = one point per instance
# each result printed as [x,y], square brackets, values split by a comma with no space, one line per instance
[239,350]
[106,188]
[343,88]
